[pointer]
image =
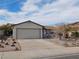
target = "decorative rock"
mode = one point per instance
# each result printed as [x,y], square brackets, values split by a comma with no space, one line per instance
[12,45]
[7,43]
[14,42]
[2,45]
[16,48]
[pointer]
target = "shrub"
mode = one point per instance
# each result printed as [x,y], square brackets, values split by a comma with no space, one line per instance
[75,34]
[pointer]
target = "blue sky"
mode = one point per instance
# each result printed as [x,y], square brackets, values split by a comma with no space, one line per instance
[45,12]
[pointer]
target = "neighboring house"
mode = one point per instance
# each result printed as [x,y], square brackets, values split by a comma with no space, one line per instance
[28,30]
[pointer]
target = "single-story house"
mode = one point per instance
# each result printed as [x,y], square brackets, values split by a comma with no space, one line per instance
[28,30]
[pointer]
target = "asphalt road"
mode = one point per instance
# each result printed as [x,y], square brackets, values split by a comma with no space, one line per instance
[68,57]
[60,57]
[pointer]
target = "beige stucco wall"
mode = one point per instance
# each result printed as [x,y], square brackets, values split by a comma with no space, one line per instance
[14,33]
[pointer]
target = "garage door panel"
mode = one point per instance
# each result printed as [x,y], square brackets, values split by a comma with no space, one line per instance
[28,33]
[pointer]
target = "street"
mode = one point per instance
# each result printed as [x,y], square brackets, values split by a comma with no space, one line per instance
[75,56]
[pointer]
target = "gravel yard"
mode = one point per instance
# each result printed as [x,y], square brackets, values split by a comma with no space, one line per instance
[9,45]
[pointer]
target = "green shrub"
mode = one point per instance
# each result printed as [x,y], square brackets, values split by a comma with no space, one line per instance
[75,34]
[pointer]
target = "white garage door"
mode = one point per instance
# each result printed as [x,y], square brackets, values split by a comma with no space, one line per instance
[28,33]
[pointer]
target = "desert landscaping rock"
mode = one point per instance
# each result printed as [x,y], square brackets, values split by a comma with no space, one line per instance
[9,45]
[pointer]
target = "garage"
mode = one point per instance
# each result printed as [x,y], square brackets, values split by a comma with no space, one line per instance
[28,30]
[28,33]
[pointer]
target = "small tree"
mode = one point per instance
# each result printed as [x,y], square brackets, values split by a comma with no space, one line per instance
[75,34]
[7,29]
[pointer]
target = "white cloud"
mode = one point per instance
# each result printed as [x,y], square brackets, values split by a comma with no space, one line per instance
[59,11]
[29,5]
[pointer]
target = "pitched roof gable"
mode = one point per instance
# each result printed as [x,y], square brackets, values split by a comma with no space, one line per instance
[28,21]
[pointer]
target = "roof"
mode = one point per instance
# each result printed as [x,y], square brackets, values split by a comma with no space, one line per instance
[28,21]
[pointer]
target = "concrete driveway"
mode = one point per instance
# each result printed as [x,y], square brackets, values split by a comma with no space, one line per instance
[38,49]
[34,44]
